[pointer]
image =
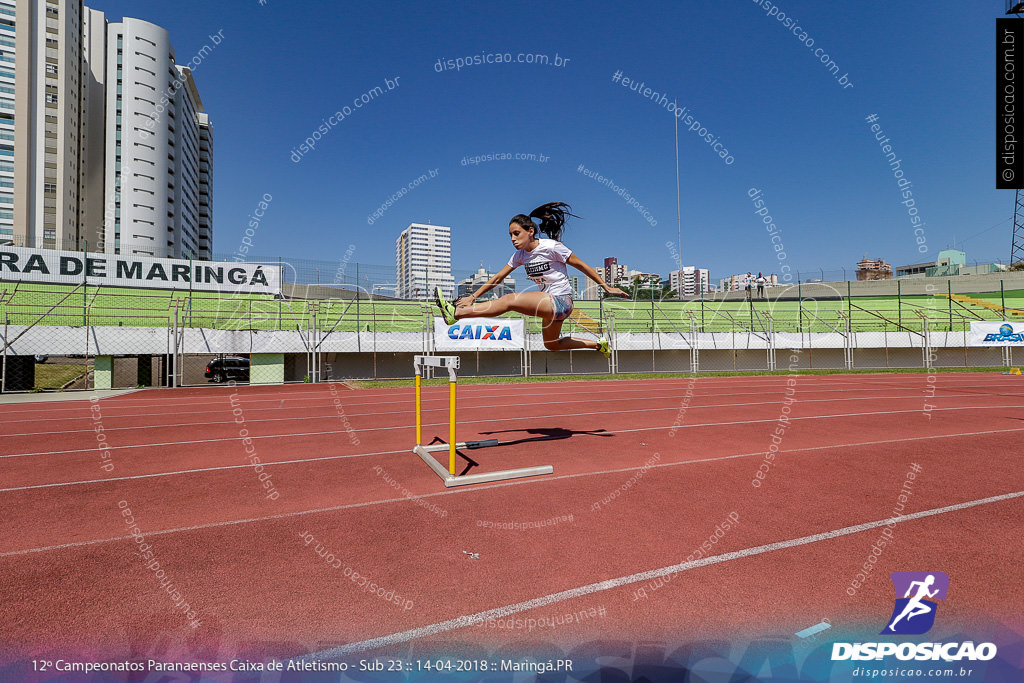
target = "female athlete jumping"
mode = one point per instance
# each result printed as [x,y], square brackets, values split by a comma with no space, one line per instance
[544,260]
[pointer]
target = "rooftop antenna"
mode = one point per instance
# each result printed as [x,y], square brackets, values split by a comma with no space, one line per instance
[1017,239]
[679,215]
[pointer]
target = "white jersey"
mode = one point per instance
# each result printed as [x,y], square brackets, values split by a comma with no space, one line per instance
[545,265]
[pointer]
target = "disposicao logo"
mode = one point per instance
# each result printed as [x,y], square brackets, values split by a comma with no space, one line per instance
[495,332]
[917,600]
[1005,334]
[914,613]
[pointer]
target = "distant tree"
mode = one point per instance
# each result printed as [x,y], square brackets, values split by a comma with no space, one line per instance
[1019,265]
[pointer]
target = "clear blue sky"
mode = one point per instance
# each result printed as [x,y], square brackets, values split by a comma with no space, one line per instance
[793,130]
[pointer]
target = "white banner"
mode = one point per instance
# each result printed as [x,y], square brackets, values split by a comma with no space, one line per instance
[479,334]
[21,264]
[986,333]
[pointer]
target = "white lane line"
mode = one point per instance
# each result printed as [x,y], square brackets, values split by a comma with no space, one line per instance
[478,390]
[249,401]
[481,487]
[506,420]
[628,469]
[199,469]
[333,415]
[443,400]
[500,612]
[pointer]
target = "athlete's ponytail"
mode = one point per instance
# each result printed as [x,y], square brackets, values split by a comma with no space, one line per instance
[551,216]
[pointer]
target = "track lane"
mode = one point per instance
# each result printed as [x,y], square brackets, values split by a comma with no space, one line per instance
[419,553]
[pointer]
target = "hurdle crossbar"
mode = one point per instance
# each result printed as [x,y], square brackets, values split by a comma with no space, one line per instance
[449,477]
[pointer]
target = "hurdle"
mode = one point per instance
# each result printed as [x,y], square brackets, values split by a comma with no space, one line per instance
[448,476]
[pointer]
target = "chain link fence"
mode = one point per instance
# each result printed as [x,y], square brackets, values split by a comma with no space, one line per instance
[66,337]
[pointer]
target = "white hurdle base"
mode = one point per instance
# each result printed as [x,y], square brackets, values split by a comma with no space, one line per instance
[450,479]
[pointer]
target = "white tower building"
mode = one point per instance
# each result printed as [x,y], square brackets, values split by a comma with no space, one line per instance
[423,260]
[158,137]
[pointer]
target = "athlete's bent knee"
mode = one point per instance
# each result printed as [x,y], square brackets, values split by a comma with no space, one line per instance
[554,345]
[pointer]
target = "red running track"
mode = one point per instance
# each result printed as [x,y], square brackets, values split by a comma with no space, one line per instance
[644,473]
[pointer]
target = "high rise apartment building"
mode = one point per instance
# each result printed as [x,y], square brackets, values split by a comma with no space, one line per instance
[40,69]
[104,142]
[161,138]
[423,260]
[690,281]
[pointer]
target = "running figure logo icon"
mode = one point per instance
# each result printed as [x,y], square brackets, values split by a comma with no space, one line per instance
[914,612]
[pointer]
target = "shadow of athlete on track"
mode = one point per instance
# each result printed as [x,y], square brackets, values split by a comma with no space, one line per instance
[544,434]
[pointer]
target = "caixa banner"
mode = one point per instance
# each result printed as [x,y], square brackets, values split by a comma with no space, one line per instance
[986,333]
[19,264]
[479,334]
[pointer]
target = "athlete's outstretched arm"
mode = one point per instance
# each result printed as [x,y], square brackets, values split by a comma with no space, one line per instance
[579,265]
[495,280]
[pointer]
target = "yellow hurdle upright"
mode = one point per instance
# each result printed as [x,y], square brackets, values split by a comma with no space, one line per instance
[451,363]
[419,439]
[451,427]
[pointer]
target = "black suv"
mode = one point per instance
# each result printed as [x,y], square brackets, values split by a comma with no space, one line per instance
[228,367]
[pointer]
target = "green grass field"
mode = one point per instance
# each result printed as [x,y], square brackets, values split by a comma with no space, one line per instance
[22,304]
[51,376]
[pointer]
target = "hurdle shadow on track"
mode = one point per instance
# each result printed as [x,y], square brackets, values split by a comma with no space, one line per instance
[548,434]
[542,434]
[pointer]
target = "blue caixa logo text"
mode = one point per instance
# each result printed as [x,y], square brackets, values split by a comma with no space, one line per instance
[495,332]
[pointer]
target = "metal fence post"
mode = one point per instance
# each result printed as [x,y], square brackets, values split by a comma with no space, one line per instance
[800,309]
[928,340]
[949,296]
[694,346]
[174,353]
[849,299]
[849,344]
[702,309]
[85,294]
[3,376]
[613,365]
[899,302]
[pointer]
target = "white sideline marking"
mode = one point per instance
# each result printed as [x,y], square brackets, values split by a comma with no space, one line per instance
[510,419]
[499,612]
[452,492]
